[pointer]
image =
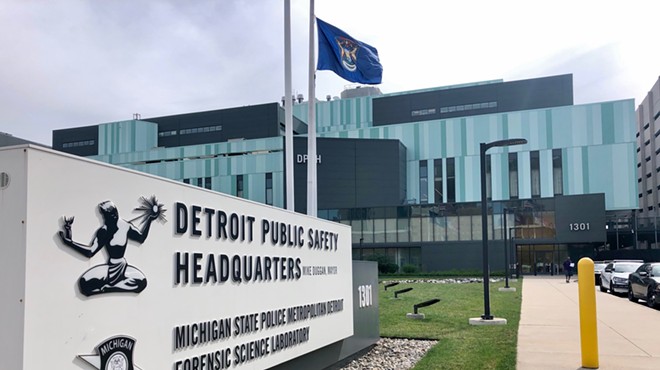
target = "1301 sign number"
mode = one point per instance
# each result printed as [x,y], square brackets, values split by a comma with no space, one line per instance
[365,296]
[579,226]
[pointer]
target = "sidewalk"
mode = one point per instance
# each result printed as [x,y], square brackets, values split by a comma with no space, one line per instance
[549,331]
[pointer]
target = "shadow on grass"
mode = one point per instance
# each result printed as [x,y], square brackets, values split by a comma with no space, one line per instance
[461,345]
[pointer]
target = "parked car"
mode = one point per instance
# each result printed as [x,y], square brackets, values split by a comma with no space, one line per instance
[644,284]
[599,266]
[615,275]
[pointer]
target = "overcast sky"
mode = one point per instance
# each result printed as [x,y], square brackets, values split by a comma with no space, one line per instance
[70,63]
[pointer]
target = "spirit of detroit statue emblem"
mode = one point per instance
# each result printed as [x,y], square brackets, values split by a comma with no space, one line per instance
[116,275]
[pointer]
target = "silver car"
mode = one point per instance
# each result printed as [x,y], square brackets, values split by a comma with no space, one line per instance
[599,266]
[615,276]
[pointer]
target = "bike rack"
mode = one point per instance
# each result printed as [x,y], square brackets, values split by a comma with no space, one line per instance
[397,292]
[390,285]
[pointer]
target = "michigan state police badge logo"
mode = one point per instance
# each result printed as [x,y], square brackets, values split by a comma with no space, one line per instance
[115,353]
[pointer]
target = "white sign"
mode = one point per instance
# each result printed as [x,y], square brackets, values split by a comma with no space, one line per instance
[104,266]
[302,158]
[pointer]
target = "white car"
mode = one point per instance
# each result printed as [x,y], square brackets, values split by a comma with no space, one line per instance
[599,266]
[615,276]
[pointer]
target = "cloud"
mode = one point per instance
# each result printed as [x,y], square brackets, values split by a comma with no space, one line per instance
[73,63]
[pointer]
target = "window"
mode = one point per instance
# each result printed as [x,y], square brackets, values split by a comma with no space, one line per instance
[167,133]
[423,182]
[513,175]
[422,112]
[239,186]
[207,183]
[76,144]
[200,182]
[186,181]
[460,108]
[197,130]
[557,175]
[269,188]
[437,180]
[536,173]
[451,181]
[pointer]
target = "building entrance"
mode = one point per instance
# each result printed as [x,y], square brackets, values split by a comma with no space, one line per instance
[542,259]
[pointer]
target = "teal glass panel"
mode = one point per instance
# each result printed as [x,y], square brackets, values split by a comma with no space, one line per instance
[390,230]
[465,228]
[452,228]
[439,228]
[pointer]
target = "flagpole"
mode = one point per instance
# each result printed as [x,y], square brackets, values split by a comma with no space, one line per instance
[288,108]
[311,120]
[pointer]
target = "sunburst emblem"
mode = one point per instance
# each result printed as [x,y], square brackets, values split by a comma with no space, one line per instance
[151,209]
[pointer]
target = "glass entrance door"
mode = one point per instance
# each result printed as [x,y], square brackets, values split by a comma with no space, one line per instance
[544,263]
[542,259]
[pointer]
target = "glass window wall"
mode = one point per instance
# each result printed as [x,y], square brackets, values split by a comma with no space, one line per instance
[423,182]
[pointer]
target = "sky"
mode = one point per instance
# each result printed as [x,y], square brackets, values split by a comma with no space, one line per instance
[71,63]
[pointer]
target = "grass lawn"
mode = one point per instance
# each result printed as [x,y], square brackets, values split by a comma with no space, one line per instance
[461,345]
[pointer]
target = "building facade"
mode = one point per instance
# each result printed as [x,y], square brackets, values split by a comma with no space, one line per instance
[648,167]
[403,169]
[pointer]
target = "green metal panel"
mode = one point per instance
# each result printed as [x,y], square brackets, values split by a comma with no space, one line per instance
[460,179]
[585,170]
[624,186]
[548,128]
[472,176]
[256,185]
[545,164]
[524,176]
[499,176]
[576,180]
[607,113]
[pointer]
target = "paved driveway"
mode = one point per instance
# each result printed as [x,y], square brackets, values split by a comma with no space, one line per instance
[549,331]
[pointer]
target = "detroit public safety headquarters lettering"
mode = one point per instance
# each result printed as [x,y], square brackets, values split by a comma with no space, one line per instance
[211,269]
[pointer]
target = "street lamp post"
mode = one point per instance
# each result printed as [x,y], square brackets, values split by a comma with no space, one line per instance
[506,252]
[513,244]
[483,147]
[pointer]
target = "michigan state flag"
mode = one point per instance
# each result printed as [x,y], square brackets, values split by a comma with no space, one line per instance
[351,59]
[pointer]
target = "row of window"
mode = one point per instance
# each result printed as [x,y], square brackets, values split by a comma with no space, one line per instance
[453,108]
[535,173]
[437,228]
[464,107]
[400,256]
[198,130]
[188,131]
[202,182]
[79,143]
[205,182]
[423,112]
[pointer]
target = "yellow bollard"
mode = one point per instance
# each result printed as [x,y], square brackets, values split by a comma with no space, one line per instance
[588,322]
